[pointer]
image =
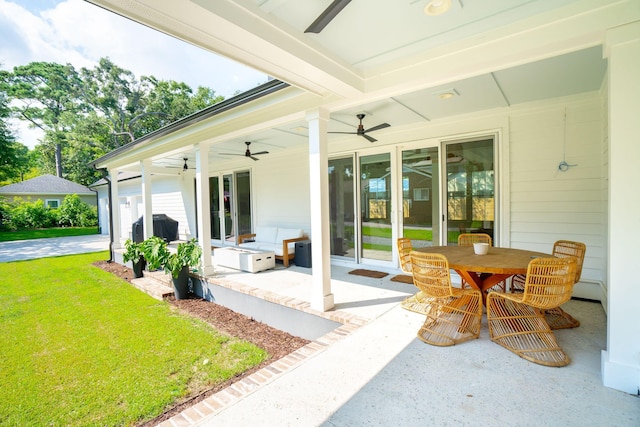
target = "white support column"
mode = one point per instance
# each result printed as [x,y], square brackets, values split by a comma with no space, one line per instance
[145,165]
[203,206]
[621,359]
[115,209]
[321,296]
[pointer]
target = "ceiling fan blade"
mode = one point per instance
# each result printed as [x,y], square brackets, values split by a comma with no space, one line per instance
[346,133]
[380,126]
[259,152]
[231,154]
[253,158]
[325,17]
[370,139]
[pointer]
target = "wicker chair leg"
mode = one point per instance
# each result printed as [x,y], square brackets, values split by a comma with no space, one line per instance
[523,330]
[452,320]
[419,303]
[557,318]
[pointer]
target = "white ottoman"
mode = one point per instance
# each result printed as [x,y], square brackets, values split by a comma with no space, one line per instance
[250,260]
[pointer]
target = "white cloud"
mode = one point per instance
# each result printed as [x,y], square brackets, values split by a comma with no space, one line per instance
[79,33]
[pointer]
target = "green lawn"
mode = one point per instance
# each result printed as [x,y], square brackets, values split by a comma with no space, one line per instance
[81,347]
[6,236]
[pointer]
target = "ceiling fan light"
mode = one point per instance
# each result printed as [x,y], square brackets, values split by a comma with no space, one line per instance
[437,7]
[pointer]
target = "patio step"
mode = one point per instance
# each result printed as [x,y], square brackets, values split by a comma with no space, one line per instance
[153,284]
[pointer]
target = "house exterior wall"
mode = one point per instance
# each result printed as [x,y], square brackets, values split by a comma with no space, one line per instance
[172,195]
[538,203]
[547,204]
[285,181]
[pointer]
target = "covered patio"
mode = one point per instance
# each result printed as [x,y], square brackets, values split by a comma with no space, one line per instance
[514,117]
[374,370]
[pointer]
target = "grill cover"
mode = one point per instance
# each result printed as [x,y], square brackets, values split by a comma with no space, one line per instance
[163,227]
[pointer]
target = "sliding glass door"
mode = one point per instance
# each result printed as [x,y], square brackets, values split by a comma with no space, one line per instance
[342,207]
[230,197]
[214,203]
[470,196]
[442,191]
[375,207]
[421,196]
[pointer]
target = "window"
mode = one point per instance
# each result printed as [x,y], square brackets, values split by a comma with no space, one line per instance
[52,203]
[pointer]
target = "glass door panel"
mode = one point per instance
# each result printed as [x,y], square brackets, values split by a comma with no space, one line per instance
[341,207]
[375,207]
[214,200]
[420,196]
[470,204]
[229,208]
[243,202]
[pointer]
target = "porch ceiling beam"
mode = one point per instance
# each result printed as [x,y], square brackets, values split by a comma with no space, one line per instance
[221,27]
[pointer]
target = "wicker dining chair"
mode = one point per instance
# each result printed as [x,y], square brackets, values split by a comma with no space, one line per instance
[516,320]
[557,318]
[418,302]
[404,250]
[468,239]
[455,314]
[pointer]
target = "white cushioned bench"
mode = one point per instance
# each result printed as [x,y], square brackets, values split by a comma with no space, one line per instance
[280,240]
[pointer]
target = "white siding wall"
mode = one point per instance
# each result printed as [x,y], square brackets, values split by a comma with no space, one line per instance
[547,204]
[172,195]
[281,191]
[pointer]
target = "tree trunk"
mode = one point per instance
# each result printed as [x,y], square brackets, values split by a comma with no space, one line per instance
[59,160]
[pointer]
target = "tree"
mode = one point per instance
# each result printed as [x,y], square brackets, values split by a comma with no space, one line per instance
[14,157]
[6,139]
[49,98]
[114,95]
[87,114]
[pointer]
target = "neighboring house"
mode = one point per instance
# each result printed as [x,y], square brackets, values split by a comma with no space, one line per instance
[513,117]
[48,188]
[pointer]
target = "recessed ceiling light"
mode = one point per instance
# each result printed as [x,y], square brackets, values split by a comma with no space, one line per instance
[437,7]
[447,94]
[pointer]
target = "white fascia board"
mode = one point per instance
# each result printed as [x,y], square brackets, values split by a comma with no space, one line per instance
[241,31]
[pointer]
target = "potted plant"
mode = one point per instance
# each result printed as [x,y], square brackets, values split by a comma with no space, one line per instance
[177,264]
[134,253]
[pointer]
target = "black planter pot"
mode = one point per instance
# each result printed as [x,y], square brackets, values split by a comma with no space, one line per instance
[138,268]
[181,283]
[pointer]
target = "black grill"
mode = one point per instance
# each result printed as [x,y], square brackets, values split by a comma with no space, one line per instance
[163,227]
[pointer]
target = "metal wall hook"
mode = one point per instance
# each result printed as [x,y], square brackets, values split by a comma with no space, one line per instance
[564,166]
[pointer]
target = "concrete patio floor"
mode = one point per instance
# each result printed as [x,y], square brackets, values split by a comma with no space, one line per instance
[375,371]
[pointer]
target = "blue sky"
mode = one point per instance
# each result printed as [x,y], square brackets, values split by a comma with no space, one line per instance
[79,33]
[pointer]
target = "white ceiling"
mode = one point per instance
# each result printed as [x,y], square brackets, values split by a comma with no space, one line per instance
[370,33]
[493,53]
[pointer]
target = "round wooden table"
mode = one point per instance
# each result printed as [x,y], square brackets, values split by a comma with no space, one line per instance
[484,271]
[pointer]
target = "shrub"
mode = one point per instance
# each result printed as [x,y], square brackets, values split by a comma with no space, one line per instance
[73,212]
[5,213]
[30,215]
[19,214]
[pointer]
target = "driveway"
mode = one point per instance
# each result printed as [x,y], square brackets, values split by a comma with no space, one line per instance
[40,248]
